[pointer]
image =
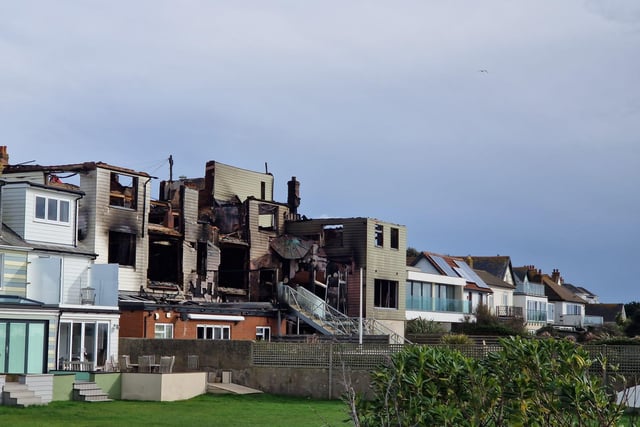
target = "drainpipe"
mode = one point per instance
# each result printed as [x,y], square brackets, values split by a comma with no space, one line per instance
[57,356]
[144,329]
[144,203]
[360,323]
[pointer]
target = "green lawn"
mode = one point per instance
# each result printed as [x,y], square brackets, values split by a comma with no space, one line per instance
[205,410]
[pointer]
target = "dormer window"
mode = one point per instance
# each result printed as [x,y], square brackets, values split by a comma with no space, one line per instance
[52,210]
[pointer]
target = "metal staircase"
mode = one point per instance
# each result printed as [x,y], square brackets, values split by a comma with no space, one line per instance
[329,321]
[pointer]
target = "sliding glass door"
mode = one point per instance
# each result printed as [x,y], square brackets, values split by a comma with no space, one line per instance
[23,347]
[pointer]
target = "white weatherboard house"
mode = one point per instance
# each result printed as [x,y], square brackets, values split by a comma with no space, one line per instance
[56,305]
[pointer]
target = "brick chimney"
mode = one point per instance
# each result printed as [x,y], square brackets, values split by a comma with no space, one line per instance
[293,195]
[205,196]
[4,157]
[555,276]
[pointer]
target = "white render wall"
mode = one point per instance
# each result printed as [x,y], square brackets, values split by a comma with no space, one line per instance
[437,316]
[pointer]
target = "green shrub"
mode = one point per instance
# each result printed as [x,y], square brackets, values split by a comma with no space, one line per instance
[456,339]
[527,383]
[423,326]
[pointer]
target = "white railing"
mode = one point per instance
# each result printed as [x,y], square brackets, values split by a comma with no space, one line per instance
[330,319]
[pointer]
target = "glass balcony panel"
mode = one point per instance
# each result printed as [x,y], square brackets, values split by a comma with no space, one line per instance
[438,304]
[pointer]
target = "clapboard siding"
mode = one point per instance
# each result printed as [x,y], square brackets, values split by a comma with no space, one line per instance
[100,218]
[37,177]
[14,279]
[259,239]
[231,181]
[389,264]
[190,215]
[189,264]
[13,207]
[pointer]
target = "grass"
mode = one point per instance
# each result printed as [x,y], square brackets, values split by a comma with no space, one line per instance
[206,410]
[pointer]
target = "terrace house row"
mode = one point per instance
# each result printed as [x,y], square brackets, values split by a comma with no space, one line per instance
[203,260]
[153,262]
[448,289]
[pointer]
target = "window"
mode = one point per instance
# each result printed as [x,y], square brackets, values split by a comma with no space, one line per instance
[395,238]
[333,235]
[122,248]
[385,293]
[52,210]
[213,332]
[574,309]
[267,216]
[83,341]
[123,191]
[536,311]
[419,296]
[164,330]
[379,235]
[1,271]
[263,333]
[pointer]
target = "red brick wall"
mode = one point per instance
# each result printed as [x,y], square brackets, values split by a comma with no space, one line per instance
[132,325]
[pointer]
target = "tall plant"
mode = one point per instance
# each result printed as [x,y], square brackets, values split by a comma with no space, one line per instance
[528,382]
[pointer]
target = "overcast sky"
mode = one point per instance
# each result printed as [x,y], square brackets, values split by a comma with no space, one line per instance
[486,127]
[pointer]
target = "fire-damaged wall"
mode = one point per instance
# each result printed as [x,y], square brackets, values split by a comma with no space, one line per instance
[187,238]
[379,248]
[117,233]
[234,208]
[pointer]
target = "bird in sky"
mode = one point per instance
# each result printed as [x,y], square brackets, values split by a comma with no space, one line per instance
[483,71]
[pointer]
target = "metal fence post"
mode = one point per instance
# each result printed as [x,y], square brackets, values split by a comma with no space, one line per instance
[330,368]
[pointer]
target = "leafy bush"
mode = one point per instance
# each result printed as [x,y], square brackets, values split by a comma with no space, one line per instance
[489,324]
[423,326]
[456,339]
[528,382]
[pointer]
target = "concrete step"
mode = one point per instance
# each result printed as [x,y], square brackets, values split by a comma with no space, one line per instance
[23,401]
[9,386]
[230,388]
[87,391]
[85,385]
[94,399]
[16,394]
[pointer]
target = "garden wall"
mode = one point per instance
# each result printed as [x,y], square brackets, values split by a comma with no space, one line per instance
[308,371]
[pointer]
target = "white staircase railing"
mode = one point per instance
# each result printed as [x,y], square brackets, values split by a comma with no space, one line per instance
[330,320]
